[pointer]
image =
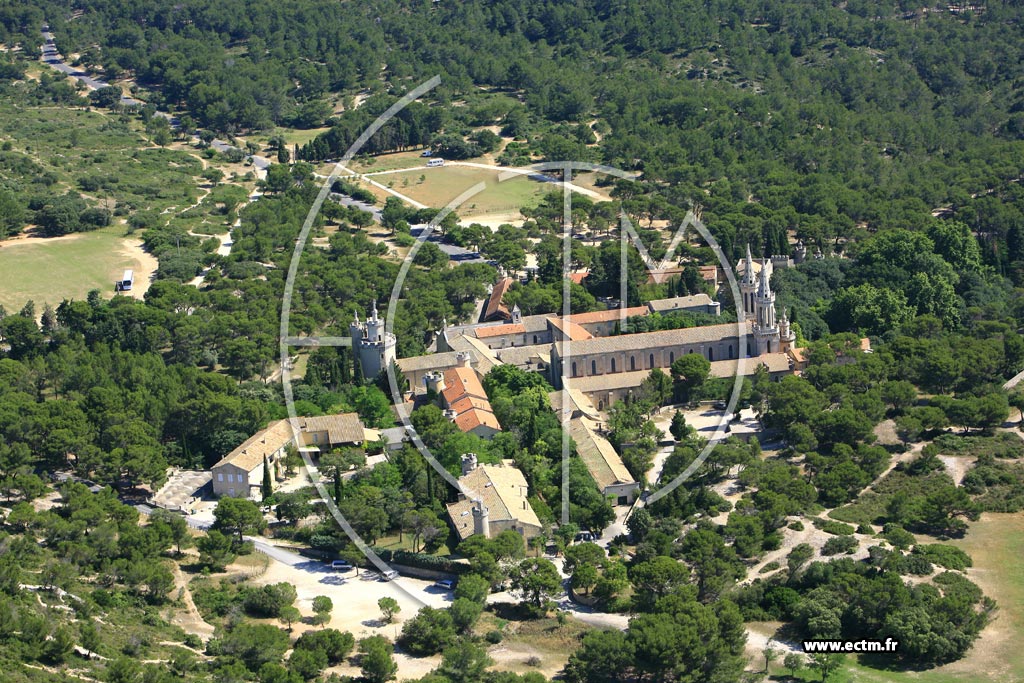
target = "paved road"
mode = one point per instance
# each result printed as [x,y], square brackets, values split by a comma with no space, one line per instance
[455,253]
[345,200]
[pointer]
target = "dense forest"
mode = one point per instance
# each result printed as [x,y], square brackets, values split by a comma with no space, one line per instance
[832,118]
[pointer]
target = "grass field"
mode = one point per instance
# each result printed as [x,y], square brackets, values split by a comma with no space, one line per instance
[64,268]
[996,544]
[441,185]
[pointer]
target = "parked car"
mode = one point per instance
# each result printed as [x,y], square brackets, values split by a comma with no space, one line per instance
[389,575]
[446,584]
[341,565]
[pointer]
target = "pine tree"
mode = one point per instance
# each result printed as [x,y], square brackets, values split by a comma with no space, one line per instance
[344,368]
[267,487]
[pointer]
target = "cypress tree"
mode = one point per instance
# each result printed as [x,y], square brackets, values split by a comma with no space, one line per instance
[267,487]
[357,369]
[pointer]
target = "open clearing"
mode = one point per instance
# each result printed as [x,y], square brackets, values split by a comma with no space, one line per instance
[438,186]
[996,544]
[51,269]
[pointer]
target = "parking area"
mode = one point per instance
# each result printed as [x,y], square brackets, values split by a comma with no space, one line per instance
[355,596]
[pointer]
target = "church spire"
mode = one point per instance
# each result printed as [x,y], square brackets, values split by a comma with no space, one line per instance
[748,267]
[765,289]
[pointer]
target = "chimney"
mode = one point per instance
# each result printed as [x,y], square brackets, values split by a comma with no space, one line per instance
[468,463]
[462,359]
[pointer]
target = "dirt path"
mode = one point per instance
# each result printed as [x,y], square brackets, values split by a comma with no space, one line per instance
[189,619]
[145,267]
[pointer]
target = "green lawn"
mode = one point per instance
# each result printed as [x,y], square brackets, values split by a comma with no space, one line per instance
[996,544]
[53,270]
[441,185]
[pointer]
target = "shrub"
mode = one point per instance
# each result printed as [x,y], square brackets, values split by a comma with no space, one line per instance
[898,536]
[268,601]
[335,644]
[493,636]
[839,544]
[918,565]
[429,632]
[944,555]
[830,526]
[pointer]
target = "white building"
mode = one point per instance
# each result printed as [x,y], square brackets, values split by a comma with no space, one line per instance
[374,347]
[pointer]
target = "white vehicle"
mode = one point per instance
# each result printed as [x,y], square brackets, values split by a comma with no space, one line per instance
[435,162]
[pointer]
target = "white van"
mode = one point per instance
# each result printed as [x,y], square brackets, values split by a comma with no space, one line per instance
[435,162]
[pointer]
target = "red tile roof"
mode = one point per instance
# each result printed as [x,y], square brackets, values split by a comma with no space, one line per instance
[495,308]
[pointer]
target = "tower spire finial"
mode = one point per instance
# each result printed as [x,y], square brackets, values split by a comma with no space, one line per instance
[765,289]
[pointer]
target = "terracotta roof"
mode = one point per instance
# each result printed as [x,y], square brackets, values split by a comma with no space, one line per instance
[603,463]
[574,331]
[498,330]
[578,277]
[249,455]
[465,395]
[503,491]
[495,307]
[342,428]
[461,382]
[608,315]
[656,340]
[467,402]
[471,419]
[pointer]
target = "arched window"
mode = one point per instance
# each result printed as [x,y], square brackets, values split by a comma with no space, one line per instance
[749,353]
[732,353]
[651,359]
[534,339]
[593,367]
[632,363]
[574,374]
[613,365]
[671,357]
[711,353]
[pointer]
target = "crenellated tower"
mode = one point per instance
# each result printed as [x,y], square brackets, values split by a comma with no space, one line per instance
[375,346]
